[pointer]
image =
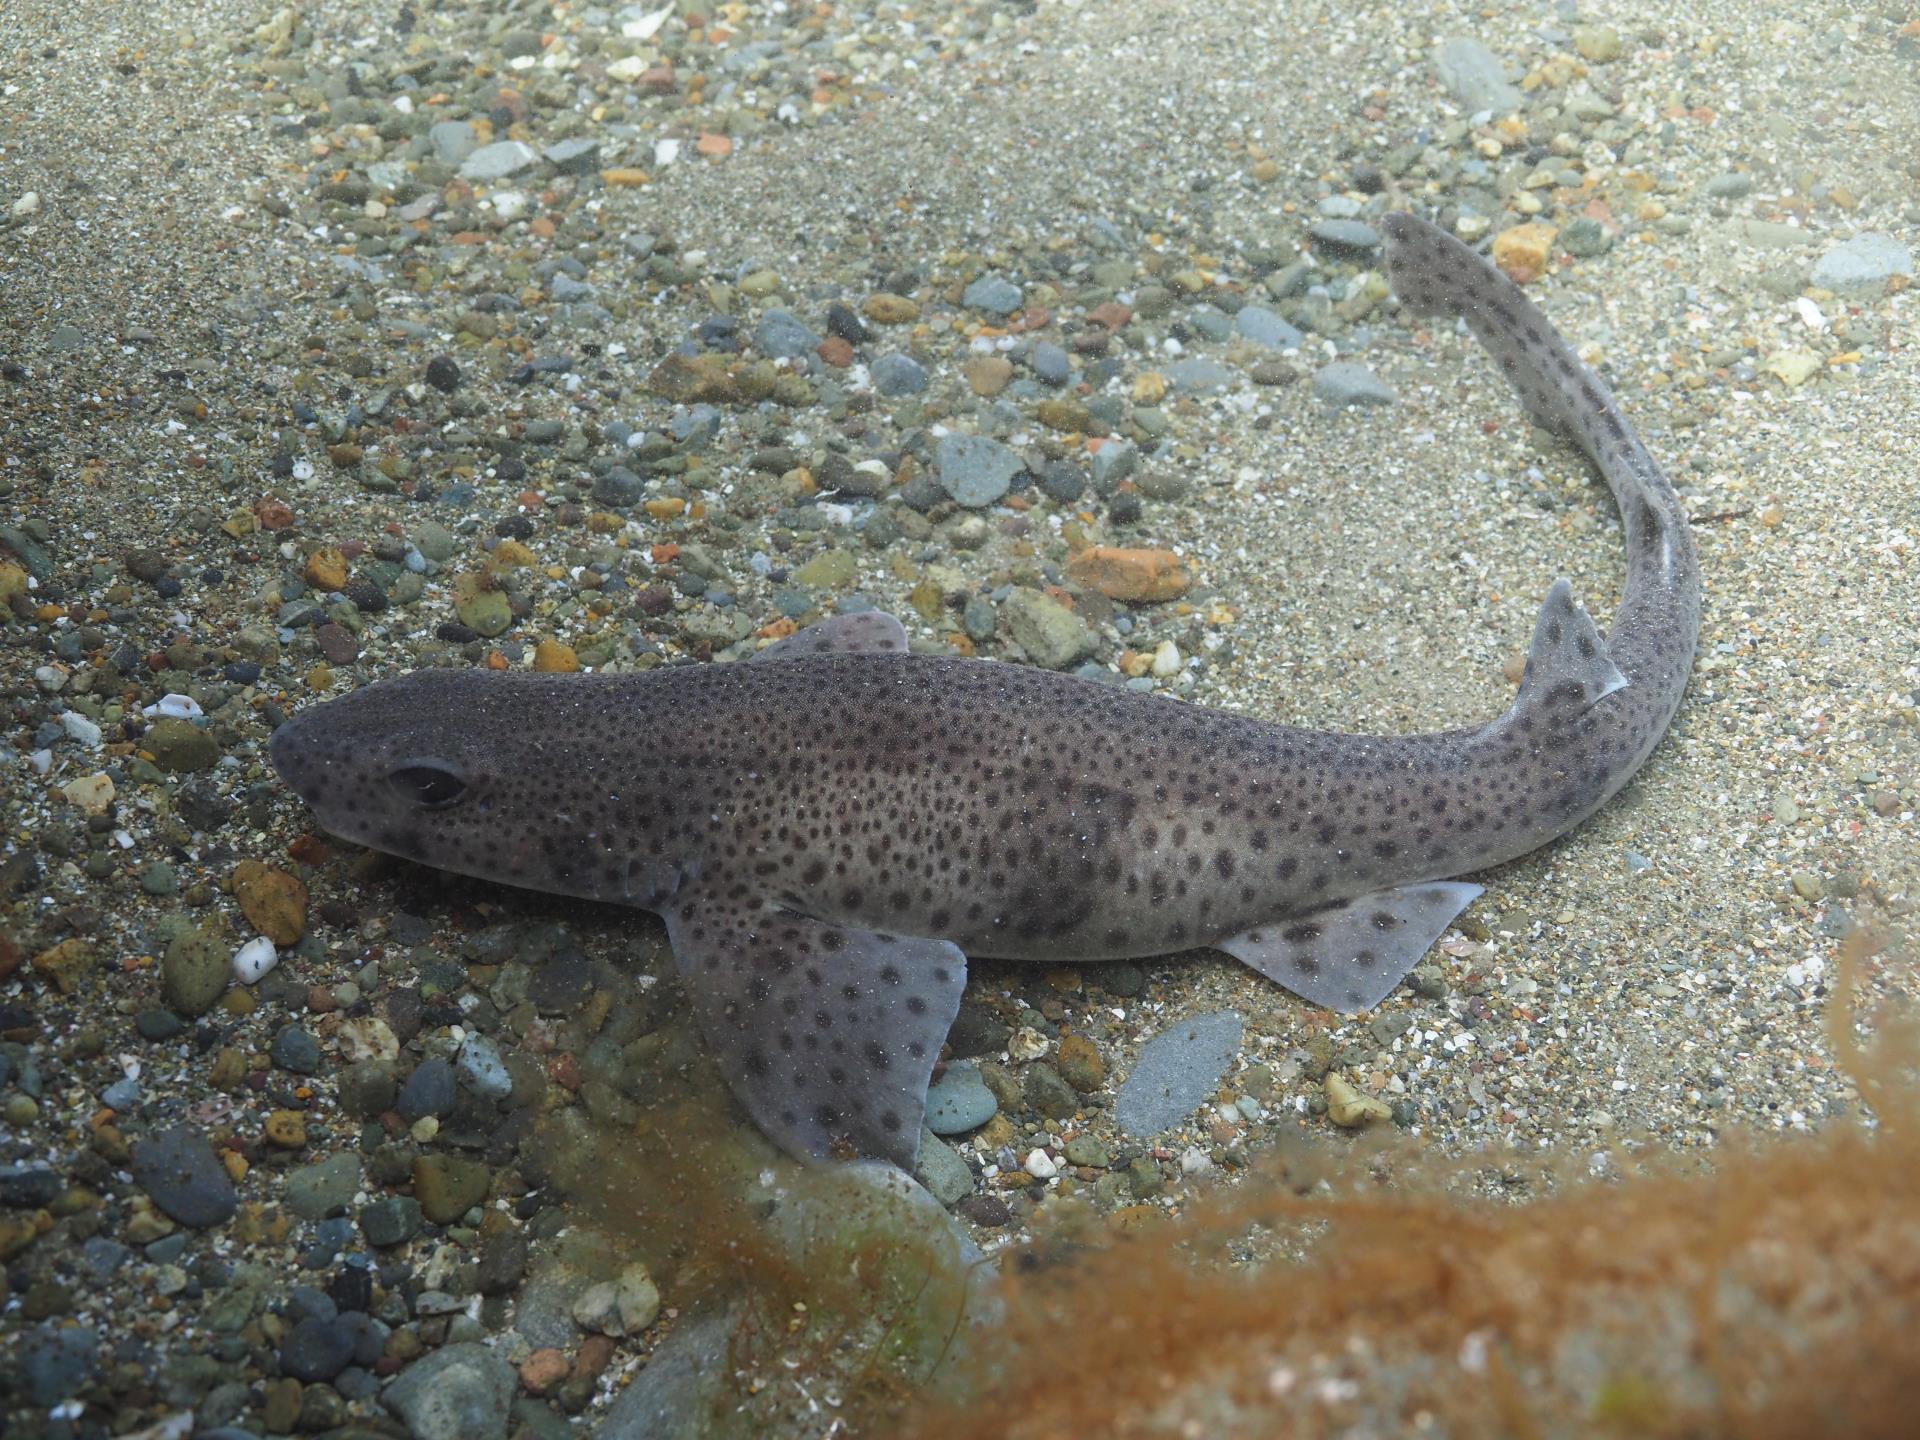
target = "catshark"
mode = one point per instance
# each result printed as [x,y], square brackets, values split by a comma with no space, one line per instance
[830,828]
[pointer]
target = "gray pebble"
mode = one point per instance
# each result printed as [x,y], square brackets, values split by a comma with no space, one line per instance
[898,375]
[578,156]
[1263,327]
[325,1187]
[461,1391]
[429,1090]
[975,470]
[1861,267]
[1197,373]
[1474,76]
[180,1173]
[498,160]
[1344,383]
[959,1101]
[1354,237]
[1054,637]
[993,294]
[295,1050]
[1176,1071]
[779,336]
[391,1220]
[942,1171]
[316,1349]
[453,141]
[1051,364]
[56,1362]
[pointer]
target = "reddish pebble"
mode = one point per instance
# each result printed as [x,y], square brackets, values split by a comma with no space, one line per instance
[320,1000]
[543,1370]
[836,352]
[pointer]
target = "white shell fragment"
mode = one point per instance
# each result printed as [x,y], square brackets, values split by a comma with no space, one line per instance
[254,959]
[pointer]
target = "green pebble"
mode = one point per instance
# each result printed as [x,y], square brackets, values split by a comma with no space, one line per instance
[194,972]
[157,878]
[180,745]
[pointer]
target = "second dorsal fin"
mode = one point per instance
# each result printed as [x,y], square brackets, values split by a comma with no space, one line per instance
[1568,667]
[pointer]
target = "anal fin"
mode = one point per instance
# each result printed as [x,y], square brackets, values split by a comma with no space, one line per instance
[1349,956]
[866,632]
[827,1034]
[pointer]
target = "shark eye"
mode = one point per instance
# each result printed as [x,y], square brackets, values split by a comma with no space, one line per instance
[429,784]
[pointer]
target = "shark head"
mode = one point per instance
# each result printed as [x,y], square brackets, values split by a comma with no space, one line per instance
[462,771]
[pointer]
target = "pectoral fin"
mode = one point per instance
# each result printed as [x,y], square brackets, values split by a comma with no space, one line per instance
[1349,956]
[867,632]
[827,1034]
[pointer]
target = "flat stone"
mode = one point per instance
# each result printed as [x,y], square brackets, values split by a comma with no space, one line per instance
[780,336]
[1344,383]
[324,1188]
[1861,267]
[1263,327]
[1353,237]
[1198,374]
[1175,1072]
[498,160]
[974,469]
[453,141]
[1475,76]
[942,1171]
[461,1391]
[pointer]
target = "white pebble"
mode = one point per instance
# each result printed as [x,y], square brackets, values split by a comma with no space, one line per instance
[175,706]
[80,728]
[1040,1165]
[254,959]
[1166,659]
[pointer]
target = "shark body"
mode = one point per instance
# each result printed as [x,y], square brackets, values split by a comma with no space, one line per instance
[830,829]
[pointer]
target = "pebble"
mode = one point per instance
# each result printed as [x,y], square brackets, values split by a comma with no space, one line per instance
[429,1090]
[1054,637]
[1475,76]
[390,1220]
[253,960]
[1860,268]
[780,336]
[1351,1107]
[1342,383]
[974,469]
[941,1170]
[448,1186]
[1264,327]
[1176,1071]
[482,1069]
[992,293]
[898,375]
[462,1391]
[324,1188]
[194,971]
[294,1049]
[959,1101]
[180,745]
[498,160]
[56,1361]
[1346,237]
[180,1173]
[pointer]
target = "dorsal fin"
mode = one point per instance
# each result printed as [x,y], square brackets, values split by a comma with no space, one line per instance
[866,632]
[1568,667]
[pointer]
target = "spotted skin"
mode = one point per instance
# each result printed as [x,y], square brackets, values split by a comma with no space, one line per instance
[831,830]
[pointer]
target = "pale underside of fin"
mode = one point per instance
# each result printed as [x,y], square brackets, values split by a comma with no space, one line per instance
[1568,667]
[1350,955]
[826,1034]
[868,632]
